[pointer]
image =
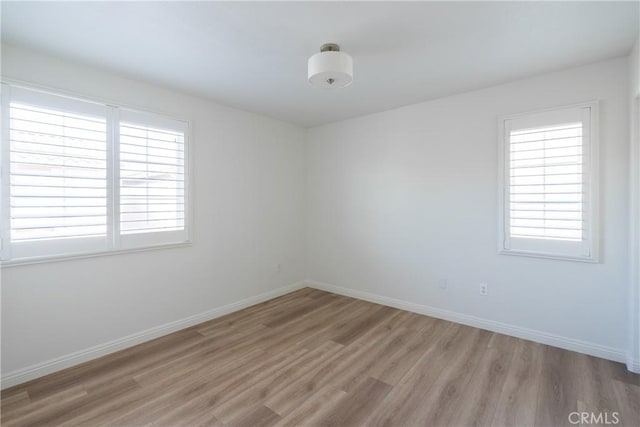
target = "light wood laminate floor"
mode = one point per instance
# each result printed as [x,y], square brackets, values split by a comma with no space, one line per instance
[314,358]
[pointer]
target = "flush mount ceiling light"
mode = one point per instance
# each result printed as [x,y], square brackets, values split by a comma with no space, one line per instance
[330,69]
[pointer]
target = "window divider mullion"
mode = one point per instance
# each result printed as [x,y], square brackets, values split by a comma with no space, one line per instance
[506,187]
[5,205]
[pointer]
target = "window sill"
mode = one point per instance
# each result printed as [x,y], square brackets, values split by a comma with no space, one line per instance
[512,252]
[69,257]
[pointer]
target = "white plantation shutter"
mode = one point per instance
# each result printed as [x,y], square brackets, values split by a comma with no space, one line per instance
[80,177]
[549,189]
[152,179]
[57,164]
[546,183]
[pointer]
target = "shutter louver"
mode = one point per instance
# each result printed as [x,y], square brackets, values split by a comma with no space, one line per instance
[546,182]
[58,174]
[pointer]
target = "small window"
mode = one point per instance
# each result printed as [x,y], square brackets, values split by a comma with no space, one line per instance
[548,180]
[81,177]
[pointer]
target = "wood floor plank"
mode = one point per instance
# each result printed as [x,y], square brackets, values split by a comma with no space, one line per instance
[60,413]
[330,327]
[312,358]
[356,407]
[379,345]
[301,310]
[557,394]
[618,371]
[343,371]
[231,409]
[416,322]
[105,368]
[220,386]
[392,370]
[482,394]
[195,418]
[253,315]
[627,397]
[15,401]
[260,417]
[195,358]
[406,404]
[446,393]
[595,388]
[406,397]
[362,324]
[314,408]
[194,412]
[305,387]
[44,405]
[518,400]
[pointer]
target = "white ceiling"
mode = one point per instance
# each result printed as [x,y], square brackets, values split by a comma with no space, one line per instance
[253,55]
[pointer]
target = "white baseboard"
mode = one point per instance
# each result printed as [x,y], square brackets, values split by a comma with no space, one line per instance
[633,365]
[617,355]
[38,370]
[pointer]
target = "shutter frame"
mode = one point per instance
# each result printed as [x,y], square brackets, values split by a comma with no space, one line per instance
[585,249]
[152,230]
[37,120]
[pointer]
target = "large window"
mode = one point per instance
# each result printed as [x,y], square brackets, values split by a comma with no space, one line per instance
[549,183]
[80,177]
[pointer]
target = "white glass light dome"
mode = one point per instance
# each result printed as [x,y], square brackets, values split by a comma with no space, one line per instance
[330,69]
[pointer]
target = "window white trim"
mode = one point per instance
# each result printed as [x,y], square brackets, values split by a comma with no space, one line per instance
[547,248]
[65,100]
[113,177]
[73,256]
[5,227]
[23,84]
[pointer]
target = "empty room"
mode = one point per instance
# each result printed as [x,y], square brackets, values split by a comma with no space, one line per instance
[320,213]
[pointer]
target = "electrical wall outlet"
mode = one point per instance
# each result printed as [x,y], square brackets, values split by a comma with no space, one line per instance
[442,283]
[484,289]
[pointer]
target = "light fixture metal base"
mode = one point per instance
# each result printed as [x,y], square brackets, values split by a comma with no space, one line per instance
[330,47]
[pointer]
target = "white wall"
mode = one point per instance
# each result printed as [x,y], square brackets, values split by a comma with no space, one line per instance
[248,217]
[400,199]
